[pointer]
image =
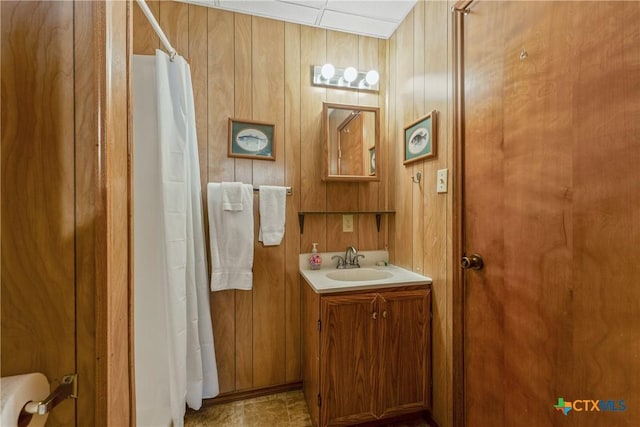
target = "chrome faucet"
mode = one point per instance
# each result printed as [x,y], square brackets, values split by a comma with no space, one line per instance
[350,254]
[350,258]
[340,261]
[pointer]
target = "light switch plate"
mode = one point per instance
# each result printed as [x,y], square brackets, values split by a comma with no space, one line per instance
[347,223]
[442,180]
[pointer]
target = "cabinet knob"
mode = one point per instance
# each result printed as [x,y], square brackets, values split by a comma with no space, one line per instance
[374,315]
[384,314]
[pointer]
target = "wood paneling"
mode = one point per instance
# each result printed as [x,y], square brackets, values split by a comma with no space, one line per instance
[313,50]
[145,41]
[85,130]
[243,170]
[38,198]
[419,193]
[420,73]
[110,94]
[403,194]
[291,140]
[392,146]
[269,263]
[221,168]
[64,182]
[256,68]
[198,62]
[342,48]
[369,193]
[437,207]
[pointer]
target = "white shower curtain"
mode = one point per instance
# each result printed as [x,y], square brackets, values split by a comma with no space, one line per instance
[174,351]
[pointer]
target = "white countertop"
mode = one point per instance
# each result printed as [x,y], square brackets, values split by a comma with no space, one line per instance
[320,283]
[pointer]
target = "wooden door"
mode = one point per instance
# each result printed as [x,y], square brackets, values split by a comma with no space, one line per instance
[350,146]
[551,203]
[405,352]
[348,351]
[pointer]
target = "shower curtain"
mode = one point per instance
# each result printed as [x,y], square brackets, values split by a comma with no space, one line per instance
[174,352]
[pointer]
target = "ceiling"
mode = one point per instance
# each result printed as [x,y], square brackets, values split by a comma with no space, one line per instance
[375,18]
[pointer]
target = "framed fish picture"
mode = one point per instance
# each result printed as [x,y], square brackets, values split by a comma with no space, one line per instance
[420,138]
[251,140]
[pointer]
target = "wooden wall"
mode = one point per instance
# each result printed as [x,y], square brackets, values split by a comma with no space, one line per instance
[420,70]
[64,199]
[255,68]
[38,195]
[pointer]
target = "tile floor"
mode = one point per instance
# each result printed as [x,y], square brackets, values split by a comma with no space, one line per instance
[277,410]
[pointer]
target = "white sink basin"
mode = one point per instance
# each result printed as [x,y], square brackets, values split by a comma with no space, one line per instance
[358,275]
[370,275]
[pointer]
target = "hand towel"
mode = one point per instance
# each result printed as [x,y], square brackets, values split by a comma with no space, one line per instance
[273,203]
[231,240]
[232,196]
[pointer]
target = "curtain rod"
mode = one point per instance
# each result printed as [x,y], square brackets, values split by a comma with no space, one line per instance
[156,27]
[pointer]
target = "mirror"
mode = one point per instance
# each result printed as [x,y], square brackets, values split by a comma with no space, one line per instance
[351,139]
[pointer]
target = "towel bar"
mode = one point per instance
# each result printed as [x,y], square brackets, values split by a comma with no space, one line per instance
[289,191]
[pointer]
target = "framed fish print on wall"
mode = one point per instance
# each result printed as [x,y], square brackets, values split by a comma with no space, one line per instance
[250,139]
[420,138]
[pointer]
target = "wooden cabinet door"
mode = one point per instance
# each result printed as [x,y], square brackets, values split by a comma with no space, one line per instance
[404,352]
[348,348]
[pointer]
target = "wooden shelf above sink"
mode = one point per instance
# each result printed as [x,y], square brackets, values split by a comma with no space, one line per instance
[377,213]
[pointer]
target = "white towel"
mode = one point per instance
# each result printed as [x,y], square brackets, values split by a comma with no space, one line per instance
[231,238]
[232,196]
[273,204]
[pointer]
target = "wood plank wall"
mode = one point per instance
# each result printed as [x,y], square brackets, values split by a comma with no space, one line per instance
[256,68]
[64,194]
[38,253]
[114,398]
[420,70]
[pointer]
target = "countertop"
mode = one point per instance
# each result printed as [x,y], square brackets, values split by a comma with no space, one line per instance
[321,284]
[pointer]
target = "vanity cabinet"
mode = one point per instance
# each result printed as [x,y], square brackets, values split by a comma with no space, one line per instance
[366,354]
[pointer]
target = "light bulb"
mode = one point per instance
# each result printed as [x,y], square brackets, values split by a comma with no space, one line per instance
[350,74]
[372,77]
[327,71]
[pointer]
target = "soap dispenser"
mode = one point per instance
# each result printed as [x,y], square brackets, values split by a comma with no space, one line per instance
[315,260]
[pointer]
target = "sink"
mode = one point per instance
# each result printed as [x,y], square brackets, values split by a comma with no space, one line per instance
[358,275]
[329,279]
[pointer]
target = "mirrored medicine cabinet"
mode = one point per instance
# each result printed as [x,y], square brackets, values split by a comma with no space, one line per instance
[351,135]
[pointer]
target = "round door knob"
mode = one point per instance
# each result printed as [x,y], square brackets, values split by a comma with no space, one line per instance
[473,262]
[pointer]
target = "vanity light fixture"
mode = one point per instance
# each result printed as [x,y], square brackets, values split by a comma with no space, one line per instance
[350,74]
[345,78]
[372,77]
[327,71]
